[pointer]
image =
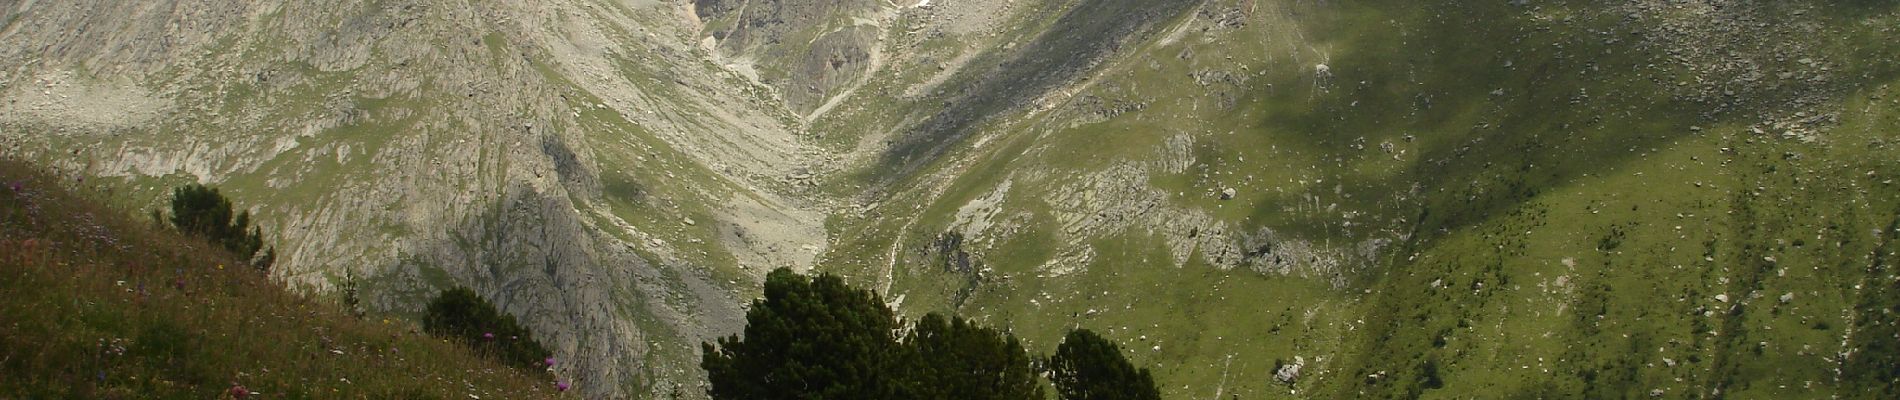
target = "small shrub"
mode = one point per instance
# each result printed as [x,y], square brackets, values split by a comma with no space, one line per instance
[462,315]
[201,211]
[351,297]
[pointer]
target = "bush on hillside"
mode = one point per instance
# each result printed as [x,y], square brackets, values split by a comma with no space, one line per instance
[462,315]
[201,211]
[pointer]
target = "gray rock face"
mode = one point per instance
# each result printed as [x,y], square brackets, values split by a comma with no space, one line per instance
[810,50]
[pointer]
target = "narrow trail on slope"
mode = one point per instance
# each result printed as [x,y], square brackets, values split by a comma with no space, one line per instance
[890,266]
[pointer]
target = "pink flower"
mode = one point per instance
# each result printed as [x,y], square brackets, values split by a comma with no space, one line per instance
[560,386]
[16,186]
[548,362]
[239,392]
[488,335]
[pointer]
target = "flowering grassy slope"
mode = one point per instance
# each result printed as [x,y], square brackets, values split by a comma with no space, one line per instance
[95,304]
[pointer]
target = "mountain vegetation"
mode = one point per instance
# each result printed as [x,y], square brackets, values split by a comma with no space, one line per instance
[809,338]
[201,211]
[1257,199]
[99,305]
[1088,367]
[465,317]
[819,338]
[955,358]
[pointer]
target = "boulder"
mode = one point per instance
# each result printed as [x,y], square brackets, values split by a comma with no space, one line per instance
[1289,373]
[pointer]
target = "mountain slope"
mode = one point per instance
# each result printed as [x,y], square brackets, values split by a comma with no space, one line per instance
[1386,198]
[421,144]
[100,306]
[1432,198]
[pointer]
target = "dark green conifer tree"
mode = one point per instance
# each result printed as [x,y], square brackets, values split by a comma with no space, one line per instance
[1088,367]
[201,211]
[809,338]
[953,358]
[462,315]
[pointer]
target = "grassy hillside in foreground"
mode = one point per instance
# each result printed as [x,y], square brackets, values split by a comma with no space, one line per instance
[96,305]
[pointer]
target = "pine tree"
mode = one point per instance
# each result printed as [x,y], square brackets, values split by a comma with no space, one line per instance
[809,338]
[1088,367]
[201,211]
[953,358]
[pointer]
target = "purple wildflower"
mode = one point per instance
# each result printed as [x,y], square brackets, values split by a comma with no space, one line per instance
[549,361]
[16,186]
[560,386]
[488,335]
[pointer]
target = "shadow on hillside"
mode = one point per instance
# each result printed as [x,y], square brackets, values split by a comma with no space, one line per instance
[1073,46]
[589,298]
[1493,108]
[1499,109]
